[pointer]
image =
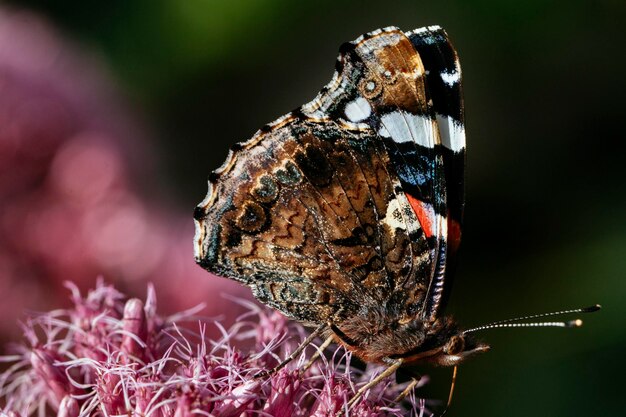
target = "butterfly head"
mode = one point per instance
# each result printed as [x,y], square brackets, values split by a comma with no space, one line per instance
[456,349]
[375,338]
[444,344]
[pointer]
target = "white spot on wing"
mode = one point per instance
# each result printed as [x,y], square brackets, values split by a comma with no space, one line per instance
[402,126]
[393,217]
[452,133]
[432,28]
[419,30]
[451,78]
[358,109]
[197,240]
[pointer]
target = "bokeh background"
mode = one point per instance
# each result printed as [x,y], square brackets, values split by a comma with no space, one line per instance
[113,113]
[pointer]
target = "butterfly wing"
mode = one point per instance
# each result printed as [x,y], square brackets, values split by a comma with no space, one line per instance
[295,215]
[410,94]
[319,213]
[443,78]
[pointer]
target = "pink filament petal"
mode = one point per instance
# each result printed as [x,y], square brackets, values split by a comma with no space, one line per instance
[43,362]
[68,408]
[134,324]
[281,401]
[241,397]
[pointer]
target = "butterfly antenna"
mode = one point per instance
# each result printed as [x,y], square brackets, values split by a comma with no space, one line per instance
[508,323]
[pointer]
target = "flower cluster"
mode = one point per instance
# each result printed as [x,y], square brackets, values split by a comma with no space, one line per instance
[110,356]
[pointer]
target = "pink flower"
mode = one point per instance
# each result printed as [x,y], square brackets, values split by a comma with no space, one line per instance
[110,356]
[282,397]
[76,170]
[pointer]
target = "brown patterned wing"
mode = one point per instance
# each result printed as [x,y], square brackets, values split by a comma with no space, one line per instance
[298,214]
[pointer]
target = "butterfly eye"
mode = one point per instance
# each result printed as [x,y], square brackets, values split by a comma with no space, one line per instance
[455,345]
[370,87]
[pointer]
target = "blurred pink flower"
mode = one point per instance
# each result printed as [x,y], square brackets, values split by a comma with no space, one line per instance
[77,192]
[110,356]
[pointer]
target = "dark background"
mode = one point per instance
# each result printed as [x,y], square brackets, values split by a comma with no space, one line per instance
[544,93]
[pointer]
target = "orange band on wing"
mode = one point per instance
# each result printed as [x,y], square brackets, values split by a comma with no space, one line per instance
[424,215]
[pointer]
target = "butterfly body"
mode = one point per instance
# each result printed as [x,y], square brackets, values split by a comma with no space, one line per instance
[347,212]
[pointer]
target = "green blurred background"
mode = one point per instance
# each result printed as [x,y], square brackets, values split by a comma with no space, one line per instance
[546,210]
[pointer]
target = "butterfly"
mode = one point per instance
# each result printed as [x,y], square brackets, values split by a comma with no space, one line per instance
[346,213]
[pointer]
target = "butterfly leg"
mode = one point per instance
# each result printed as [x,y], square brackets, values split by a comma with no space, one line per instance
[408,389]
[452,384]
[394,364]
[317,354]
[318,331]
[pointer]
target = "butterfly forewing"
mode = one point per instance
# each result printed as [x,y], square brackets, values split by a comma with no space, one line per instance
[443,78]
